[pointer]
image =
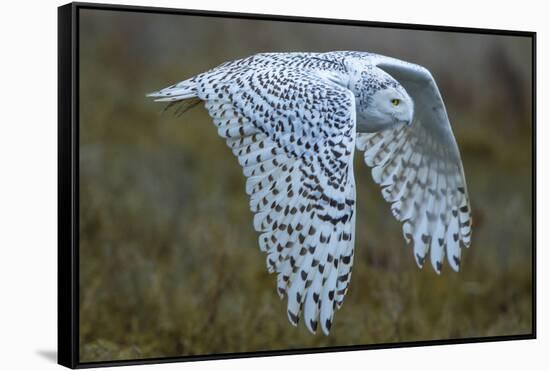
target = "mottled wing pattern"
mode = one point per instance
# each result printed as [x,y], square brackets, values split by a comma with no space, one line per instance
[294,136]
[420,171]
[426,191]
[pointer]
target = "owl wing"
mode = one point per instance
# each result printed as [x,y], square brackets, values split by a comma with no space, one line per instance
[420,171]
[294,135]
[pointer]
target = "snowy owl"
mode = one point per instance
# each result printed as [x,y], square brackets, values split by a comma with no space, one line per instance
[293,120]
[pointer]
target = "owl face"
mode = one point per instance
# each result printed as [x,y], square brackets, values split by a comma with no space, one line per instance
[384,109]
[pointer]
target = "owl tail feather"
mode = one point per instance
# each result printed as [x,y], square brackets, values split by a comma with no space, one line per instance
[182,96]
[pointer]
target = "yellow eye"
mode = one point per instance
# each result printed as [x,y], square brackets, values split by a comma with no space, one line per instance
[395,102]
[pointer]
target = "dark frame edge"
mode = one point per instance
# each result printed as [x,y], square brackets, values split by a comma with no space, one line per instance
[534,180]
[67,299]
[304,351]
[68,191]
[301,19]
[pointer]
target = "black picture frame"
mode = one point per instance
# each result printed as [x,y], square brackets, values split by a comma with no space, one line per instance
[68,183]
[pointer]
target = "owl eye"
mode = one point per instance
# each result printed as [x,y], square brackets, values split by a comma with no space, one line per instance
[395,102]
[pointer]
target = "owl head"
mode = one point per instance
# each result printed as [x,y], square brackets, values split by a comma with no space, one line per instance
[381,102]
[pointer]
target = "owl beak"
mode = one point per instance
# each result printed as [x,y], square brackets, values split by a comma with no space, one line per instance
[406,122]
[411,119]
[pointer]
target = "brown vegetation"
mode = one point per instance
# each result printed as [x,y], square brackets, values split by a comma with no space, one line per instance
[169,262]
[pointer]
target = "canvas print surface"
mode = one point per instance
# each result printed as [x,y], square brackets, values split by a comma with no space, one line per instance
[258,185]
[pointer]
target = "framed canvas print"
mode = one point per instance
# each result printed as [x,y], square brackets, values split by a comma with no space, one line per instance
[236,185]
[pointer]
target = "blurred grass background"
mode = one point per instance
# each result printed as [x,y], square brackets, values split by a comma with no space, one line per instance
[169,262]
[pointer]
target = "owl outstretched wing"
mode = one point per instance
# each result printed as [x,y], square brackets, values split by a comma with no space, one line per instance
[294,136]
[420,171]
